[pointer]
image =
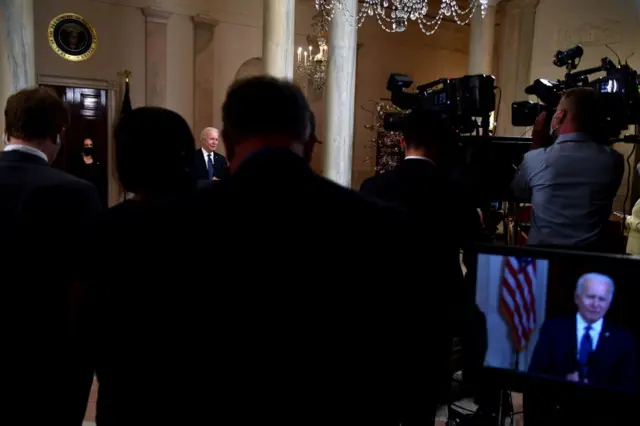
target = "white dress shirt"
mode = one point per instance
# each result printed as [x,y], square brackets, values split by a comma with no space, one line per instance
[206,156]
[28,150]
[596,328]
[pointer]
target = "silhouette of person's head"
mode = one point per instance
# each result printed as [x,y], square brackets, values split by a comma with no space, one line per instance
[264,112]
[154,152]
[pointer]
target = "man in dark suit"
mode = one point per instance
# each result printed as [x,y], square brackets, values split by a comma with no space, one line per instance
[321,324]
[587,348]
[209,165]
[422,185]
[47,214]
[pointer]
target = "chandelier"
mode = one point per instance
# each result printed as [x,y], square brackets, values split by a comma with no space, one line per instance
[312,64]
[394,15]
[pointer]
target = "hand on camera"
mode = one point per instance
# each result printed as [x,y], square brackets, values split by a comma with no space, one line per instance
[541,135]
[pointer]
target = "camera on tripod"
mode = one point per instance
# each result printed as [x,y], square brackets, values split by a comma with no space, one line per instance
[458,100]
[618,90]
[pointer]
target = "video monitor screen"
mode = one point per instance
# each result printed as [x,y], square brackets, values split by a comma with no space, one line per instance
[559,315]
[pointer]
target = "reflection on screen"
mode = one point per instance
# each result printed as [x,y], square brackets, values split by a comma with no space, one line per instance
[566,318]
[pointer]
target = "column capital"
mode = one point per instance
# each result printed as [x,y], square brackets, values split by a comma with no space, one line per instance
[156,15]
[205,20]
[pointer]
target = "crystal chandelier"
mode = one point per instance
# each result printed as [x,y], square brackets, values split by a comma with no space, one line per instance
[313,64]
[394,15]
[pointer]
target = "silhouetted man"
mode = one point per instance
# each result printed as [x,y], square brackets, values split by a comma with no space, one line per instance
[47,214]
[322,324]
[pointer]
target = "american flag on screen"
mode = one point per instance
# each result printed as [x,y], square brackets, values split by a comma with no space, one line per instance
[517,299]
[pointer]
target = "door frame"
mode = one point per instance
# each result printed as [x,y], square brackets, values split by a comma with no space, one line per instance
[111,86]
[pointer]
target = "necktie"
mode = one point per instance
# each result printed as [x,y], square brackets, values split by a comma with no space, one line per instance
[586,346]
[210,166]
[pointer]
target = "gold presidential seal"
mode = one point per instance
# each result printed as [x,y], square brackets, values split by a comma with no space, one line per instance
[72,37]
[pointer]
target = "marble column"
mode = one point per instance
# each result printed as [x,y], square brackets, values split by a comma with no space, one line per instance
[278,37]
[514,64]
[204,58]
[17,56]
[482,39]
[156,56]
[340,97]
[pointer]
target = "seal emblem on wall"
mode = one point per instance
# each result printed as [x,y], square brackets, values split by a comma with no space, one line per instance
[72,37]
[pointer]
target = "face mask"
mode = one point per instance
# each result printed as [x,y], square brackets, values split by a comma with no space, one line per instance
[87,150]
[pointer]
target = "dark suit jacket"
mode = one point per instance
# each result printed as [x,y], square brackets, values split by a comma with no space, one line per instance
[441,209]
[46,215]
[300,314]
[220,166]
[612,364]
[420,187]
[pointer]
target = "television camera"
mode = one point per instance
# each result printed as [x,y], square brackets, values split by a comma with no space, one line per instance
[619,90]
[458,100]
[483,161]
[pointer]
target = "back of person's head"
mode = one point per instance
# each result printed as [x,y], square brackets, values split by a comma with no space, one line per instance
[36,116]
[426,130]
[580,110]
[154,152]
[261,112]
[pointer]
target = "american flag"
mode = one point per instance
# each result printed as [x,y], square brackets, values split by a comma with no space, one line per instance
[517,299]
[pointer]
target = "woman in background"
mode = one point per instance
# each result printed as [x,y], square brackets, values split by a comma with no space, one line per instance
[87,167]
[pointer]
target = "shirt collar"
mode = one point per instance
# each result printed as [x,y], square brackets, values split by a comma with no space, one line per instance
[28,150]
[574,137]
[417,157]
[581,324]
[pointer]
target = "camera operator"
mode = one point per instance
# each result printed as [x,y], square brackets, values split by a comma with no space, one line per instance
[572,181]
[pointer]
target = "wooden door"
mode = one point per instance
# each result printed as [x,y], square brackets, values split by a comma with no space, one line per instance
[89,120]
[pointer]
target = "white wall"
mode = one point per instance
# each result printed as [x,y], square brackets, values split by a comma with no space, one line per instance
[500,352]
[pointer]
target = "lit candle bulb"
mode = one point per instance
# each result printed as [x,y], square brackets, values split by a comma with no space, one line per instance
[299,54]
[305,57]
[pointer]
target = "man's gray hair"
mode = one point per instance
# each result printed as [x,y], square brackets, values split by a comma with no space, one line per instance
[594,276]
[206,130]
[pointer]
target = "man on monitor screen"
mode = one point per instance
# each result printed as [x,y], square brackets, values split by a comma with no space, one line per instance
[587,348]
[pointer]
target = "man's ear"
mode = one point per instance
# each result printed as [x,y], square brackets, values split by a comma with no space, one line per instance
[61,136]
[403,143]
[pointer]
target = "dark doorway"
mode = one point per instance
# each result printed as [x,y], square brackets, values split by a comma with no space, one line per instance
[89,120]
